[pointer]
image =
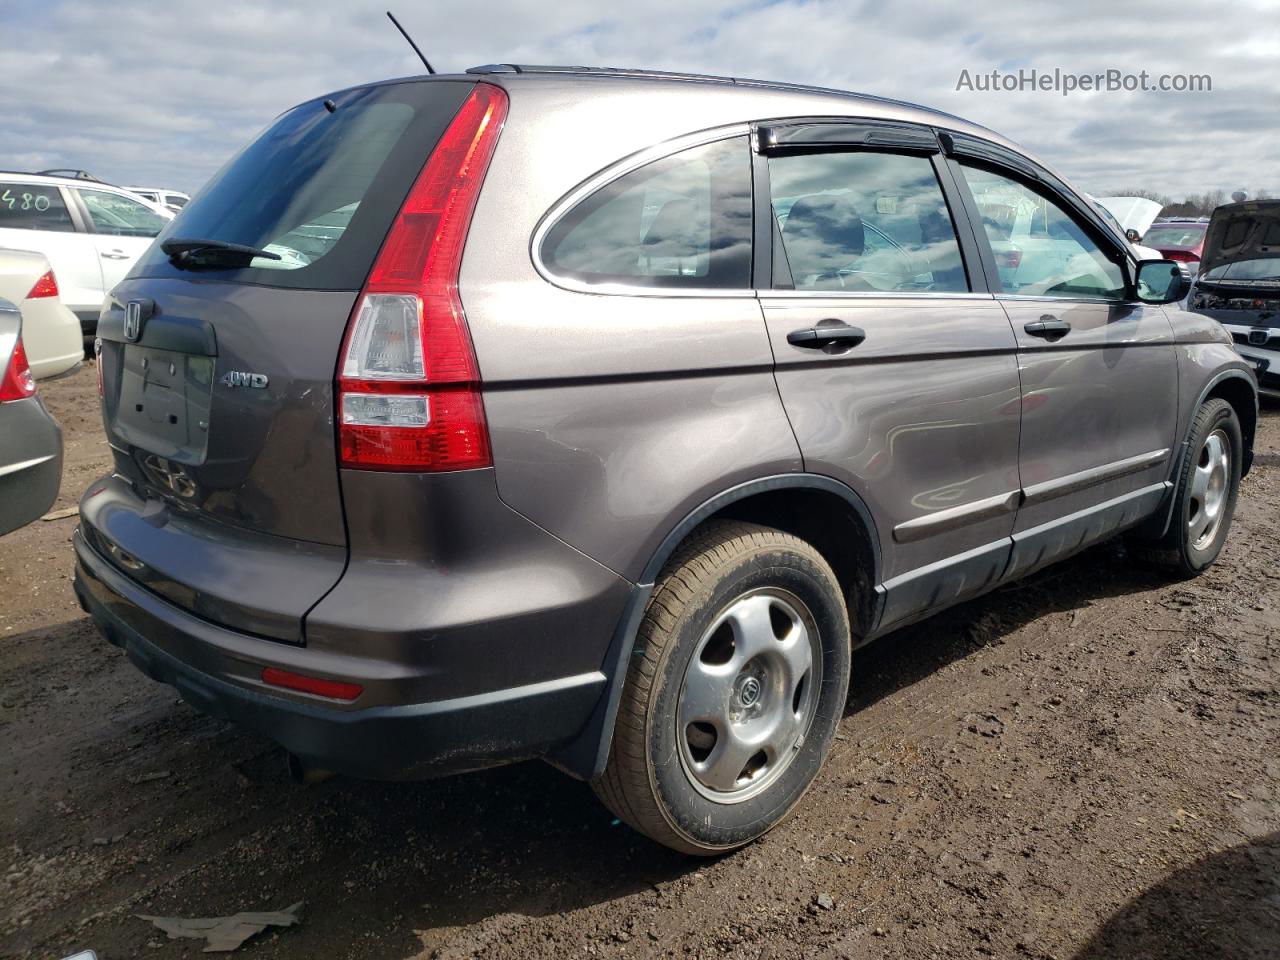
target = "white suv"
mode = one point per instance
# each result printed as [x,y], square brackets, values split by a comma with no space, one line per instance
[174,200]
[91,232]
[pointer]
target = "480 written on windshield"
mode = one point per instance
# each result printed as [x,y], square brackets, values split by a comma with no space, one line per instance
[25,201]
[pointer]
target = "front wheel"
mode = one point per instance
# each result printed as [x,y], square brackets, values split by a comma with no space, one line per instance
[1205,496]
[732,699]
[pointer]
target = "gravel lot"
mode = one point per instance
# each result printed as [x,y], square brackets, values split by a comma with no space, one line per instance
[1083,765]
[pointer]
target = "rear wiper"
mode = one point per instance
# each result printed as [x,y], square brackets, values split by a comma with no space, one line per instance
[189,252]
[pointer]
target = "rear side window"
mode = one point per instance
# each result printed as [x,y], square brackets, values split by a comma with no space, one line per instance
[864,222]
[682,221]
[110,213]
[33,206]
[320,186]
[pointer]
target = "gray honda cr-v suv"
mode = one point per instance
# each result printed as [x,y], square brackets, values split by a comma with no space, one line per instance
[596,415]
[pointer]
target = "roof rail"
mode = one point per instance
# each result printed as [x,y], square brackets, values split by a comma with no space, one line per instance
[70,174]
[492,68]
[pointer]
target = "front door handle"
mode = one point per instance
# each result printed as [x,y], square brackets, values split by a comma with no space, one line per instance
[823,336]
[114,255]
[1048,327]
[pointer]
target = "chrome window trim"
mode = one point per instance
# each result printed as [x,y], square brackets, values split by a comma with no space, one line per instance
[614,171]
[872,295]
[1040,299]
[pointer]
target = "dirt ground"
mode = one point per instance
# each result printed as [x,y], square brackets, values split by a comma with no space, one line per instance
[1083,765]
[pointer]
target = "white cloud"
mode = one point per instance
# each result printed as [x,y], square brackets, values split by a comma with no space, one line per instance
[164,93]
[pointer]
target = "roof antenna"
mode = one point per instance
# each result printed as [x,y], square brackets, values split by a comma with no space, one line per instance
[405,33]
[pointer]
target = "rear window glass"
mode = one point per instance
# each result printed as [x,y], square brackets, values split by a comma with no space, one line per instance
[33,206]
[1171,235]
[319,187]
[682,221]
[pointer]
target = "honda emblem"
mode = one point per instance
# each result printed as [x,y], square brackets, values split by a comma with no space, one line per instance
[136,313]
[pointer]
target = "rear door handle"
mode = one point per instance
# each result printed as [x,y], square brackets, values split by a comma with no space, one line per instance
[1048,327]
[836,334]
[114,255]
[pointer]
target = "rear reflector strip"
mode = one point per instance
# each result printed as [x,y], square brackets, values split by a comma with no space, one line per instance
[333,689]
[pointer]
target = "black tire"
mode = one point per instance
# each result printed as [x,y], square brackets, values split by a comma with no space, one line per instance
[1179,551]
[646,782]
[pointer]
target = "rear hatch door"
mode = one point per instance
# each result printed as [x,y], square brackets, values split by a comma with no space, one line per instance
[218,366]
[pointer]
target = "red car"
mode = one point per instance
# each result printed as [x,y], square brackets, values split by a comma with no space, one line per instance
[1181,240]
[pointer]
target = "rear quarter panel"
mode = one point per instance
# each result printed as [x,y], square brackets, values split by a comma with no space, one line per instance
[611,416]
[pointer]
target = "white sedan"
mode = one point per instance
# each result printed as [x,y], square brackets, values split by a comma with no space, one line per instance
[50,332]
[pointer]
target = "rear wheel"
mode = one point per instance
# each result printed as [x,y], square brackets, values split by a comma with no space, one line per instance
[1205,497]
[733,697]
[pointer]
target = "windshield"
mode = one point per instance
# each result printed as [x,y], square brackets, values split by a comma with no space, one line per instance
[1263,268]
[1177,235]
[319,187]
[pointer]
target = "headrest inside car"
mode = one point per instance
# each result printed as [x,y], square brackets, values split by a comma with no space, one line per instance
[828,221]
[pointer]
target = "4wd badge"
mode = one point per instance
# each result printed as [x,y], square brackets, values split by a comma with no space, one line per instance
[239,378]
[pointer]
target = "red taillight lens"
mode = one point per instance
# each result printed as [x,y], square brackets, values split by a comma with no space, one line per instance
[1185,256]
[1010,259]
[17,383]
[408,384]
[46,286]
[288,680]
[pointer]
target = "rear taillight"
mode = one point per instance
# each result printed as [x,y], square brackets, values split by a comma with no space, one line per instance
[1183,256]
[408,383]
[46,286]
[1010,259]
[17,382]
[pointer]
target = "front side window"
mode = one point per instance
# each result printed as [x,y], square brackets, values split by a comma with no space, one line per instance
[682,221]
[870,222]
[1039,249]
[120,216]
[33,206]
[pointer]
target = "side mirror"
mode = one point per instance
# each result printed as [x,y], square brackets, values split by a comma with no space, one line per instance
[1132,235]
[1159,281]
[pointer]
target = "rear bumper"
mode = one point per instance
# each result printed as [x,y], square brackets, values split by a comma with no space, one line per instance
[30,462]
[216,670]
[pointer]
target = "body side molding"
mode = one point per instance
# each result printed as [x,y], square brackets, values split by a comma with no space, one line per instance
[1074,482]
[940,521]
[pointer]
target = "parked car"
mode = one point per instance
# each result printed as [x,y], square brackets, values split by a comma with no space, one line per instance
[1179,240]
[30,439]
[174,200]
[51,332]
[1133,217]
[654,397]
[1239,283]
[91,232]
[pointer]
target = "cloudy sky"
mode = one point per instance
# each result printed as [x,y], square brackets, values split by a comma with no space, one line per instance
[142,91]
